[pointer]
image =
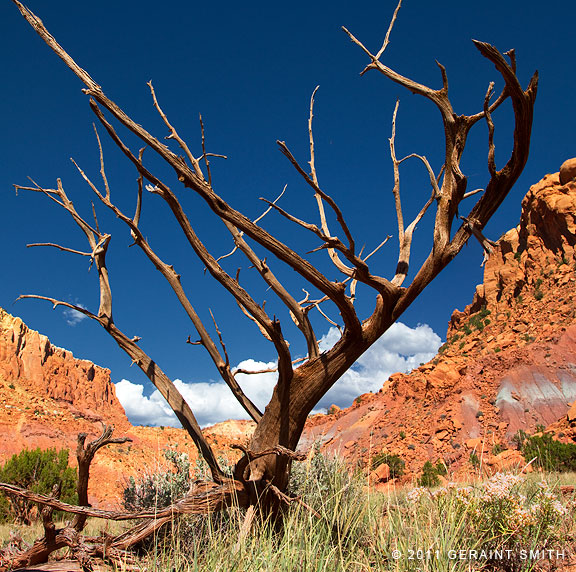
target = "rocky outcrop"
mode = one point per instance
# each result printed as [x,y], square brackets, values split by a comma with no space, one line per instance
[568,171]
[48,397]
[30,363]
[509,362]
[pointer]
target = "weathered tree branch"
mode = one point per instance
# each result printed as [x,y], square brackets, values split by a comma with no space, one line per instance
[70,535]
[261,475]
[203,498]
[63,248]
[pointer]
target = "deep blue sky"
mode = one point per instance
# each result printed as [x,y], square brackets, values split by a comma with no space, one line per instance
[250,68]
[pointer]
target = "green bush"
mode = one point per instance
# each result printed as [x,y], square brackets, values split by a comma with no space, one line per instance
[518,438]
[37,471]
[551,455]
[538,294]
[395,463]
[497,449]
[475,460]
[441,468]
[429,476]
[478,321]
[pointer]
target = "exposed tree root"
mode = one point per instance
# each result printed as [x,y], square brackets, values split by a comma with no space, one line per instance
[203,498]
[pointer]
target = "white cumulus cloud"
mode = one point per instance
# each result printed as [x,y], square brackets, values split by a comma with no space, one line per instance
[400,349]
[211,401]
[74,317]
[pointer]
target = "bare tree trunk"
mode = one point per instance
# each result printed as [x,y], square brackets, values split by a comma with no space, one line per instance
[70,535]
[261,476]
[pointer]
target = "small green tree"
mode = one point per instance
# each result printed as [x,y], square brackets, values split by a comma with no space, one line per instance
[429,476]
[37,471]
[551,455]
[394,462]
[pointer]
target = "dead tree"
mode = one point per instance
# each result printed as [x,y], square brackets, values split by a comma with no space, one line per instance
[82,548]
[262,473]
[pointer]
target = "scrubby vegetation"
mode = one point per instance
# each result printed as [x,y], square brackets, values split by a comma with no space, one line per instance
[337,523]
[395,463]
[431,474]
[549,454]
[508,523]
[159,488]
[38,471]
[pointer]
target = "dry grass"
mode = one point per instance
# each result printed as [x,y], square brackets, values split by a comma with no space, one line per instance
[360,530]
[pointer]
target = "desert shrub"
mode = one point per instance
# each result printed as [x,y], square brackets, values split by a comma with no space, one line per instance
[430,476]
[475,460]
[321,478]
[518,438]
[538,294]
[38,471]
[497,449]
[161,488]
[394,462]
[478,321]
[550,454]
[507,516]
[441,468]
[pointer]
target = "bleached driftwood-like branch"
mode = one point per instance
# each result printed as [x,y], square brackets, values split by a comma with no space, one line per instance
[298,389]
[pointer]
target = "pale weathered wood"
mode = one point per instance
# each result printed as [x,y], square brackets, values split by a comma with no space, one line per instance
[261,475]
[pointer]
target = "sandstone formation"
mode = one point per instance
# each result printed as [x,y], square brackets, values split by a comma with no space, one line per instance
[509,362]
[30,363]
[568,171]
[47,397]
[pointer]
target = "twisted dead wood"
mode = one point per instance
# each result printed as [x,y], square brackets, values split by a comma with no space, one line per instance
[298,389]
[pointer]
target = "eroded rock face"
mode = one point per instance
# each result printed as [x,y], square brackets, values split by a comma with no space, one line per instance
[31,363]
[509,362]
[48,397]
[568,171]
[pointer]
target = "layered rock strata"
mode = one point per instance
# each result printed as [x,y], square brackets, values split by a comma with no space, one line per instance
[509,362]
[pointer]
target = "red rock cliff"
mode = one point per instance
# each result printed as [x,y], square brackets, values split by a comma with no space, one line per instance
[31,363]
[509,361]
[48,397]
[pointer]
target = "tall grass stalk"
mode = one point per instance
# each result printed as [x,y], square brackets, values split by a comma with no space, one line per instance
[359,529]
[401,530]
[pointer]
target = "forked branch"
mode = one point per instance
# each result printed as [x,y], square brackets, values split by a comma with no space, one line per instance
[263,472]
